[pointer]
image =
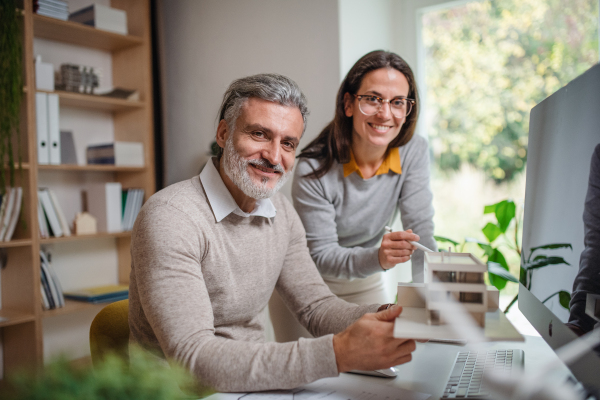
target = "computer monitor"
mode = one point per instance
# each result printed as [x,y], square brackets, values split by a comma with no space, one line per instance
[564,130]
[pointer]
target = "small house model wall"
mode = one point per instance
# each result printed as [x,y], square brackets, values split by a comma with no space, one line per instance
[459,275]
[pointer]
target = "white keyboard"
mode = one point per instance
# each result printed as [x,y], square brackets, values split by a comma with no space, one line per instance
[466,378]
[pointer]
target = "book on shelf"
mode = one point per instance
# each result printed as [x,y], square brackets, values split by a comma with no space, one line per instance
[100,294]
[104,203]
[10,209]
[102,17]
[52,8]
[132,203]
[52,292]
[15,213]
[125,154]
[53,213]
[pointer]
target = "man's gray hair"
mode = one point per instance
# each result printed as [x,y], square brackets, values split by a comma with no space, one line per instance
[271,87]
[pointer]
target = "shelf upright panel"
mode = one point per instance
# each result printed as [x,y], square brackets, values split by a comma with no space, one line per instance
[132,68]
[21,324]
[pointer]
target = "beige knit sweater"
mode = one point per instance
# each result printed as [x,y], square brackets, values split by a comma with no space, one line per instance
[198,288]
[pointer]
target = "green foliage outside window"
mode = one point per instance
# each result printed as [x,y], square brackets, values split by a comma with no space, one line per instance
[488,63]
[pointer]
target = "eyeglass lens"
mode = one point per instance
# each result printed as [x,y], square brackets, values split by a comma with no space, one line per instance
[370,105]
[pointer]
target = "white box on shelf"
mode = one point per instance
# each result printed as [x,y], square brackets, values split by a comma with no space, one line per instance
[104,203]
[102,17]
[44,75]
[124,154]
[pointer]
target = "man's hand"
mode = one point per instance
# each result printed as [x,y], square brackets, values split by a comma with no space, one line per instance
[368,344]
[395,248]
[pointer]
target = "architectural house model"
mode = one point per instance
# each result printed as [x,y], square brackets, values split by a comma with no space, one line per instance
[450,275]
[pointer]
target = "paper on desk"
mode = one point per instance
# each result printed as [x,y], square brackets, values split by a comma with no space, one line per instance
[344,387]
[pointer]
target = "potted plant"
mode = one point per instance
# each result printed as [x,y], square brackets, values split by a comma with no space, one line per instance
[11,89]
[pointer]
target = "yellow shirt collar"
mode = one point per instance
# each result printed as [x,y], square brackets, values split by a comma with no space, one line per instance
[391,162]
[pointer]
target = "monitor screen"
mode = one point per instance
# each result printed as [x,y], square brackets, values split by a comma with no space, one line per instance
[564,132]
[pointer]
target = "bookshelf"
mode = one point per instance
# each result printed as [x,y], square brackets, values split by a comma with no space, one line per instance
[23,322]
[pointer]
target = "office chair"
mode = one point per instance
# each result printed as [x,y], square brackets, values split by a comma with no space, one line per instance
[109,331]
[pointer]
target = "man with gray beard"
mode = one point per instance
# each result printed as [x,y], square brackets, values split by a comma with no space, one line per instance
[207,254]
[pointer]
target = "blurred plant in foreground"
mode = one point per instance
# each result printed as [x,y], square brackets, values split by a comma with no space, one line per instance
[143,377]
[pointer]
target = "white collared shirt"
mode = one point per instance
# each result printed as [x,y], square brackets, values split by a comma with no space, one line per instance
[222,202]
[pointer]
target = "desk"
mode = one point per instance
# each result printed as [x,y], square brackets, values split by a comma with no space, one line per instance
[428,371]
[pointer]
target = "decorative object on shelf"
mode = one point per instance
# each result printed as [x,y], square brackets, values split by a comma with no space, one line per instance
[78,78]
[102,17]
[120,93]
[68,155]
[123,154]
[44,75]
[11,90]
[85,224]
[52,8]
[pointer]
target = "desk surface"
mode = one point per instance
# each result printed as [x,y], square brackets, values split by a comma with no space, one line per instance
[429,370]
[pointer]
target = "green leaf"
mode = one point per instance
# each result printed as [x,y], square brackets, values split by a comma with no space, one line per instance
[446,240]
[498,258]
[490,209]
[553,246]
[564,298]
[505,212]
[523,276]
[543,262]
[491,231]
[498,270]
[486,247]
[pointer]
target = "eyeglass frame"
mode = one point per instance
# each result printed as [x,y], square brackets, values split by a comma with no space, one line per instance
[382,100]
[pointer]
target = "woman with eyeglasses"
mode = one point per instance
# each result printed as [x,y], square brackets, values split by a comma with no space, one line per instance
[365,167]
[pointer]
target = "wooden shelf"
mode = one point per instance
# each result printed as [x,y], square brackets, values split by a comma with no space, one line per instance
[73,238]
[94,102]
[81,35]
[16,243]
[10,317]
[90,168]
[72,306]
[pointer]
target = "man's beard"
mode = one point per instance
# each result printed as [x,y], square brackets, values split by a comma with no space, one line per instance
[236,169]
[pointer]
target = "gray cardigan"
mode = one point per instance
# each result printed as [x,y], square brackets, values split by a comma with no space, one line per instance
[345,218]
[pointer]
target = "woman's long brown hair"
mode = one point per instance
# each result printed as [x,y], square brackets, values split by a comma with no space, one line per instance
[335,140]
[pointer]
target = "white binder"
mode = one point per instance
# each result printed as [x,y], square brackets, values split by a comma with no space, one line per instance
[53,128]
[41,118]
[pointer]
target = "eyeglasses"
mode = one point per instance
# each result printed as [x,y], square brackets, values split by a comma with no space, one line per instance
[370,105]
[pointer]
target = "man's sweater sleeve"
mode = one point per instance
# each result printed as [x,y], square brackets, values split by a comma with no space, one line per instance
[167,252]
[416,202]
[318,216]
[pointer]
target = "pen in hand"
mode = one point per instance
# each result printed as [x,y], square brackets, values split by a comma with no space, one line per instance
[416,244]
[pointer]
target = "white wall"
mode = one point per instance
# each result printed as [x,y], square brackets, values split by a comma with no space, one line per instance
[365,25]
[208,44]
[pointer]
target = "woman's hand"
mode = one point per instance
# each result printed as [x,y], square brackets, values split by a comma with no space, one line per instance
[395,248]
